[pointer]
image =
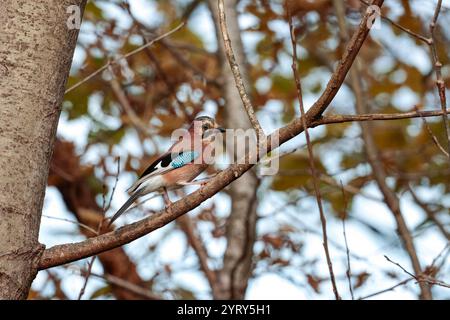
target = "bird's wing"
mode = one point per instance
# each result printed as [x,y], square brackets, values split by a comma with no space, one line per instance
[167,162]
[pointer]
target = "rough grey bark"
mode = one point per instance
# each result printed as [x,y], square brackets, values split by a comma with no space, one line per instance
[241,227]
[35,56]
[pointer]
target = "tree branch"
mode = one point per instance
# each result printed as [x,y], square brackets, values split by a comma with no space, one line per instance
[65,253]
[402,283]
[433,137]
[430,214]
[127,285]
[330,119]
[440,84]
[345,63]
[237,73]
[373,159]
[348,272]
[421,278]
[312,165]
[240,230]
[126,106]
[404,29]
[197,245]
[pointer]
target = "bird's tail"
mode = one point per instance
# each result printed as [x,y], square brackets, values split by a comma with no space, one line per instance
[125,206]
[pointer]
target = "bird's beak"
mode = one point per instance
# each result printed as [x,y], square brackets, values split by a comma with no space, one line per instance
[221,129]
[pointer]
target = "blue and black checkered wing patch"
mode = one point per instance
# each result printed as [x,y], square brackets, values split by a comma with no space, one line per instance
[184,158]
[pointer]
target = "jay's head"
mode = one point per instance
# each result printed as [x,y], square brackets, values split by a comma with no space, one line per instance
[205,128]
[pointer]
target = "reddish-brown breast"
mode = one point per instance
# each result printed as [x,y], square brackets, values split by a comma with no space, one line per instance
[186,173]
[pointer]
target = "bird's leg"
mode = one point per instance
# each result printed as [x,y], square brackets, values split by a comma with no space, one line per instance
[167,201]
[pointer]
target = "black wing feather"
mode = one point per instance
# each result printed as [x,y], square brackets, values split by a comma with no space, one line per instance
[164,161]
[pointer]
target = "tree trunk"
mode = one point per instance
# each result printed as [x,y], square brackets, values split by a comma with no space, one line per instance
[241,225]
[35,57]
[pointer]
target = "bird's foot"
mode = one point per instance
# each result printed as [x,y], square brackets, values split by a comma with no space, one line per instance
[168,208]
[167,202]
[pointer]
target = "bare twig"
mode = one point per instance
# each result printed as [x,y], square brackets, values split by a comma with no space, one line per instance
[435,282]
[82,225]
[129,286]
[115,185]
[104,208]
[441,254]
[349,56]
[430,214]
[86,209]
[171,88]
[171,46]
[196,243]
[123,100]
[237,263]
[330,181]
[59,292]
[433,137]
[281,154]
[305,228]
[408,31]
[126,56]
[237,73]
[349,188]
[431,42]
[330,119]
[347,251]
[86,279]
[400,266]
[440,84]
[422,277]
[311,159]
[92,260]
[374,161]
[386,290]
[165,44]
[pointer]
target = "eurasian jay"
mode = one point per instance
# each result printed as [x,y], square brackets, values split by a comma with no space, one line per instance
[176,168]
